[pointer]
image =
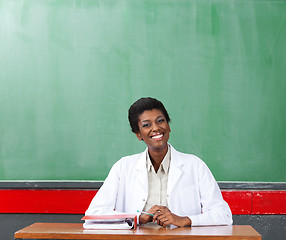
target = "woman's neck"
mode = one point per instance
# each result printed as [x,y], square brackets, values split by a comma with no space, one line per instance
[157,157]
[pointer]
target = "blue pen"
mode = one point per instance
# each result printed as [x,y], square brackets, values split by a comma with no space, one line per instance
[152,215]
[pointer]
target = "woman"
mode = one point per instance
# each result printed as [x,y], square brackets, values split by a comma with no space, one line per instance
[176,188]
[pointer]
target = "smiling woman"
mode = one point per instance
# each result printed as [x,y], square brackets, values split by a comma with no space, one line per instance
[153,181]
[154,131]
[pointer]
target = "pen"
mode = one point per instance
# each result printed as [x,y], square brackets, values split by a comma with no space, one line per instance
[152,215]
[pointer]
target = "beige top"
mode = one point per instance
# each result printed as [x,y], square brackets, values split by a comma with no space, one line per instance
[157,182]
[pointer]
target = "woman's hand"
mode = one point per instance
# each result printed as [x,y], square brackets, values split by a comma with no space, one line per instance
[145,218]
[164,217]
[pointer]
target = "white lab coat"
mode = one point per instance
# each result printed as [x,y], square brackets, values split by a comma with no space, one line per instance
[191,191]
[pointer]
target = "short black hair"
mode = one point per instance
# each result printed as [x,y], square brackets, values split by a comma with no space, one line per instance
[141,105]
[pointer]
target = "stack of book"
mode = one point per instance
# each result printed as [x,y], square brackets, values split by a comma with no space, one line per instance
[116,221]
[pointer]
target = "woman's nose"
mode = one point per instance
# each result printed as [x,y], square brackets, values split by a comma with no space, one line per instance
[155,127]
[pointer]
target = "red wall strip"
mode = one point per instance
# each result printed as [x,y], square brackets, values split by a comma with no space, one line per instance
[77,201]
[45,201]
[239,201]
[269,202]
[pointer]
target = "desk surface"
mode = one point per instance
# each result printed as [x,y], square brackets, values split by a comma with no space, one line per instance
[151,231]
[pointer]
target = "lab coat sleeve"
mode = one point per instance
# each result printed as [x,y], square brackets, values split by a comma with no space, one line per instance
[104,201]
[215,211]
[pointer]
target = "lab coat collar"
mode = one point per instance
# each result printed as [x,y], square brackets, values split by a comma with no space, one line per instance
[141,164]
[175,159]
[175,155]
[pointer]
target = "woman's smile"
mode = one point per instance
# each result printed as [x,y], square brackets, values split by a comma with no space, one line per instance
[157,137]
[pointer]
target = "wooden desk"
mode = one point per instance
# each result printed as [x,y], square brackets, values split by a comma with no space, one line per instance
[148,231]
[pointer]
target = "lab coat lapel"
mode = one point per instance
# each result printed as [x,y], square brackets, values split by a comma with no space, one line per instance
[175,171]
[142,177]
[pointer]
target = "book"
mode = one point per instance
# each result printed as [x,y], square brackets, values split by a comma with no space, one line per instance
[115,221]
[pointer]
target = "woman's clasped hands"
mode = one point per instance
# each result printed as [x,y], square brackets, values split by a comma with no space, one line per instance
[164,217]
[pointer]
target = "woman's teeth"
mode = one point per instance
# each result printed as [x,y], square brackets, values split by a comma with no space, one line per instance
[157,136]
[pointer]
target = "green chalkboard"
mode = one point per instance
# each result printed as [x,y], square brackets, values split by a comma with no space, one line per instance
[70,69]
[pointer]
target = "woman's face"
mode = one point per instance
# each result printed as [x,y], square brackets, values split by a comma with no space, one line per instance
[154,129]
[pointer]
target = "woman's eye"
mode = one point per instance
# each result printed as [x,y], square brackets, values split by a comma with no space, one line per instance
[161,120]
[145,125]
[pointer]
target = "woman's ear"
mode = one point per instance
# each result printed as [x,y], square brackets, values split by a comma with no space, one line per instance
[138,135]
